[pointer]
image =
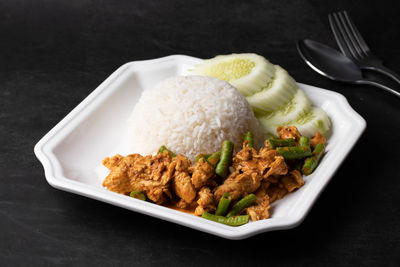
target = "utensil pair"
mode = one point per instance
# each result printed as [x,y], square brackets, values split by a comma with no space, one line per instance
[356,55]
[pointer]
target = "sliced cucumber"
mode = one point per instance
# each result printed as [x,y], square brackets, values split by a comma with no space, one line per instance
[280,92]
[310,122]
[316,120]
[248,72]
[272,93]
[297,106]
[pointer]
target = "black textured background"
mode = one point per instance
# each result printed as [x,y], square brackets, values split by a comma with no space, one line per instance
[54,53]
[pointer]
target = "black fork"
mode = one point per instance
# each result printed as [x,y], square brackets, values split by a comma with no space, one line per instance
[353,45]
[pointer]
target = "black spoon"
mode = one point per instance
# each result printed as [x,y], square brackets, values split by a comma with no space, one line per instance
[334,65]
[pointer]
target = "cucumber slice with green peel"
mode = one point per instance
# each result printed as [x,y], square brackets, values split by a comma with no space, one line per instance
[316,120]
[248,72]
[310,122]
[296,107]
[279,93]
[272,93]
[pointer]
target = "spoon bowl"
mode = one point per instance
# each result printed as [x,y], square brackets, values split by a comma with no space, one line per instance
[333,64]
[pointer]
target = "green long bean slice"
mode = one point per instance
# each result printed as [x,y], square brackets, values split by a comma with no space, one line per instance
[276,142]
[138,194]
[249,137]
[163,148]
[294,152]
[204,156]
[304,142]
[226,159]
[223,204]
[312,162]
[297,165]
[214,158]
[245,202]
[231,221]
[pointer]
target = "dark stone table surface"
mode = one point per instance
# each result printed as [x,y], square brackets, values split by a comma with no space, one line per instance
[53,53]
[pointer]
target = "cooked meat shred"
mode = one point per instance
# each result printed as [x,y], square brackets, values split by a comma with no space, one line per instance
[286,132]
[182,184]
[118,180]
[276,192]
[260,211]
[205,201]
[250,169]
[151,174]
[284,185]
[168,180]
[292,180]
[202,171]
[317,139]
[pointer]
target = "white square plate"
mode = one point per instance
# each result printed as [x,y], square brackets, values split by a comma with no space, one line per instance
[72,151]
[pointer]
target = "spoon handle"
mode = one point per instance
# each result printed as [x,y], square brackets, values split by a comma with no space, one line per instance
[386,71]
[388,89]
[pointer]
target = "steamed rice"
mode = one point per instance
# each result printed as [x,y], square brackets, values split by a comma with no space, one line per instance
[190,115]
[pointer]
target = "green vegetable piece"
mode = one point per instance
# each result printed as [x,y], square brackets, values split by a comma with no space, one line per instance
[138,194]
[249,137]
[226,159]
[294,152]
[304,142]
[223,204]
[231,221]
[214,158]
[297,165]
[312,162]
[163,148]
[245,202]
[204,156]
[276,142]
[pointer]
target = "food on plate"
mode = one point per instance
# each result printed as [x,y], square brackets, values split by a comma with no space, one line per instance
[273,94]
[221,169]
[232,221]
[138,194]
[296,107]
[245,202]
[195,141]
[315,119]
[279,92]
[248,72]
[190,115]
[311,163]
[223,204]
[223,187]
[312,150]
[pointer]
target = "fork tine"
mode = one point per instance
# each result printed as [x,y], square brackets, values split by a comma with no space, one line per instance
[357,34]
[350,35]
[338,36]
[343,39]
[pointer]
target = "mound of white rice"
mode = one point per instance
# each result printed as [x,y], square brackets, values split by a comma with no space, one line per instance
[190,115]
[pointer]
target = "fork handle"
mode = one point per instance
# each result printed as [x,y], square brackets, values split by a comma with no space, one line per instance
[385,71]
[384,87]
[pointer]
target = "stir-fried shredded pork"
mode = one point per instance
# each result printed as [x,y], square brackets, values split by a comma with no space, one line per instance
[166,179]
[182,184]
[250,169]
[260,211]
[151,174]
[202,171]
[317,139]
[286,132]
[205,201]
[292,181]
